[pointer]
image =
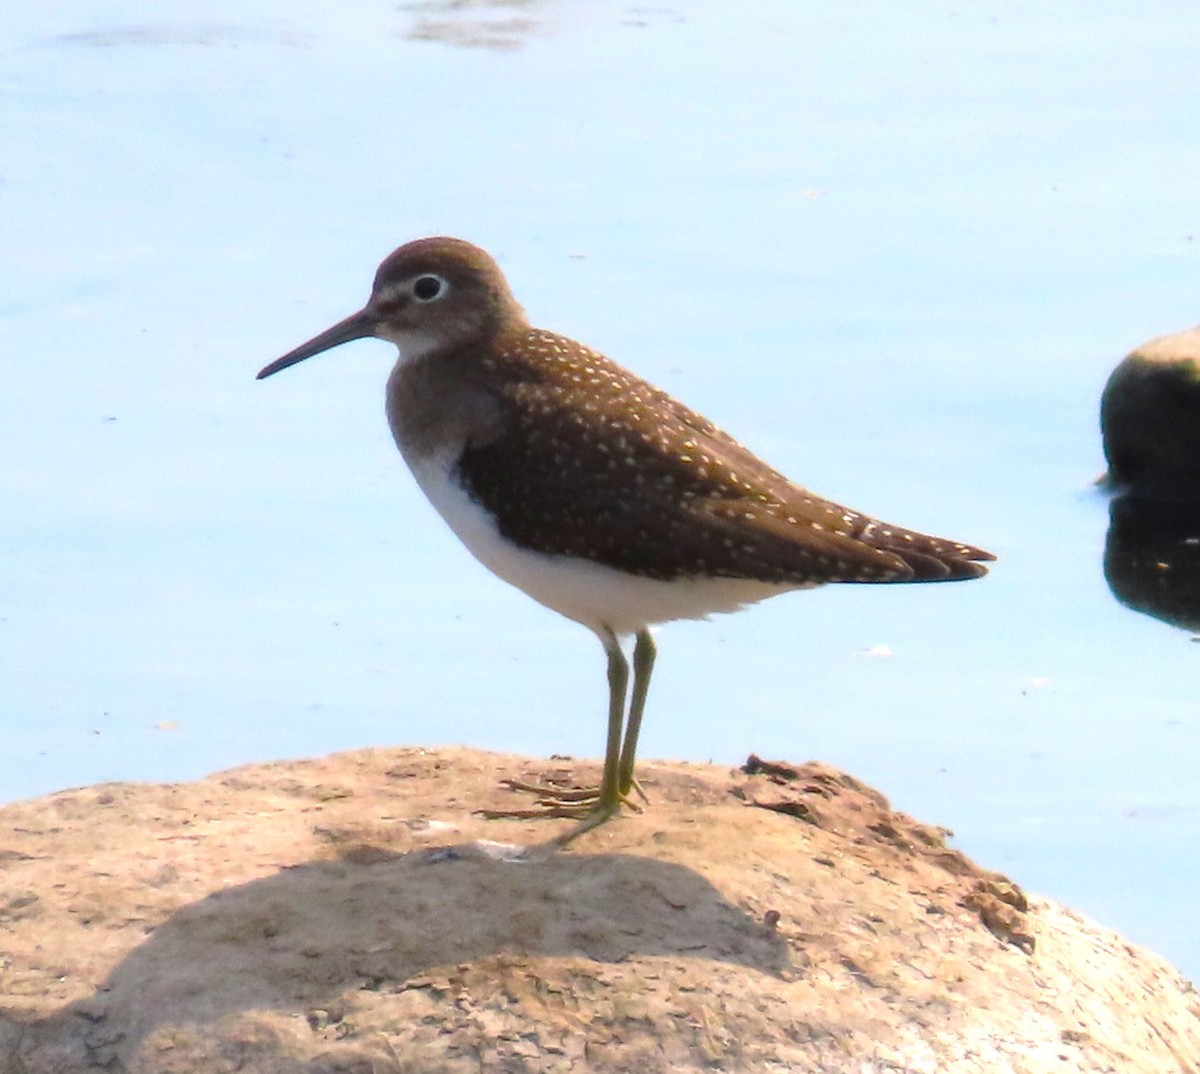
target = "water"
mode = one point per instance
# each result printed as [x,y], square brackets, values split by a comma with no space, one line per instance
[896,250]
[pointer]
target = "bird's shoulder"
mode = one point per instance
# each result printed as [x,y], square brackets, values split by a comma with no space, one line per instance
[554,388]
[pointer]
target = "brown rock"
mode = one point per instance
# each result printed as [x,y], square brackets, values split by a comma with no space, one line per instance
[338,915]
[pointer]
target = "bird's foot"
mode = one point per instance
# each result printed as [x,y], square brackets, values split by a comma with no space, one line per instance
[562,798]
[558,792]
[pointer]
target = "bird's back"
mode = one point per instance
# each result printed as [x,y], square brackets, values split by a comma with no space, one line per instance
[587,460]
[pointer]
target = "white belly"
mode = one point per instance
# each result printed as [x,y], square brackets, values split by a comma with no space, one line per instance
[589,593]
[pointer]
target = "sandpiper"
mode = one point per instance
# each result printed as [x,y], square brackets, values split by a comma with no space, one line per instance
[596,493]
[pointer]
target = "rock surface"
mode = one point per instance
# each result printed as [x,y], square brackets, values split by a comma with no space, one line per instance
[1150,420]
[350,914]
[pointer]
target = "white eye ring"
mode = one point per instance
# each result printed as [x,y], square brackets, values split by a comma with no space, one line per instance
[429,288]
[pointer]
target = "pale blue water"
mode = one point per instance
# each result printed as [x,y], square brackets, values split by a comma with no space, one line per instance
[895,248]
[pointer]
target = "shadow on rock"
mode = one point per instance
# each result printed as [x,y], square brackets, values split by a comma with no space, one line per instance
[379,921]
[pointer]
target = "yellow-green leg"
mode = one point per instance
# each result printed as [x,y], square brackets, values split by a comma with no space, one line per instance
[644,652]
[594,806]
[608,804]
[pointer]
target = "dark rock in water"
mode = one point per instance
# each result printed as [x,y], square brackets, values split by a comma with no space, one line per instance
[1150,419]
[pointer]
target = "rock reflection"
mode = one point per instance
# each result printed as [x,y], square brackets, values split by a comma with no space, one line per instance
[1152,559]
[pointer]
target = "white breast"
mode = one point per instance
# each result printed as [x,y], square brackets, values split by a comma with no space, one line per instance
[589,593]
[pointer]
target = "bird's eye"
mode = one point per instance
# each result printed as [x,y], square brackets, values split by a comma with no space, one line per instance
[427,288]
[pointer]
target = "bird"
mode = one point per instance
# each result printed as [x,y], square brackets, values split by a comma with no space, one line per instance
[597,494]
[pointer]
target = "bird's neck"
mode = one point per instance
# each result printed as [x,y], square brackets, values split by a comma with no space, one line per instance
[441,399]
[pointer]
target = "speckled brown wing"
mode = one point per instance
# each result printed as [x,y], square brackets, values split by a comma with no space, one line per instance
[788,512]
[592,462]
